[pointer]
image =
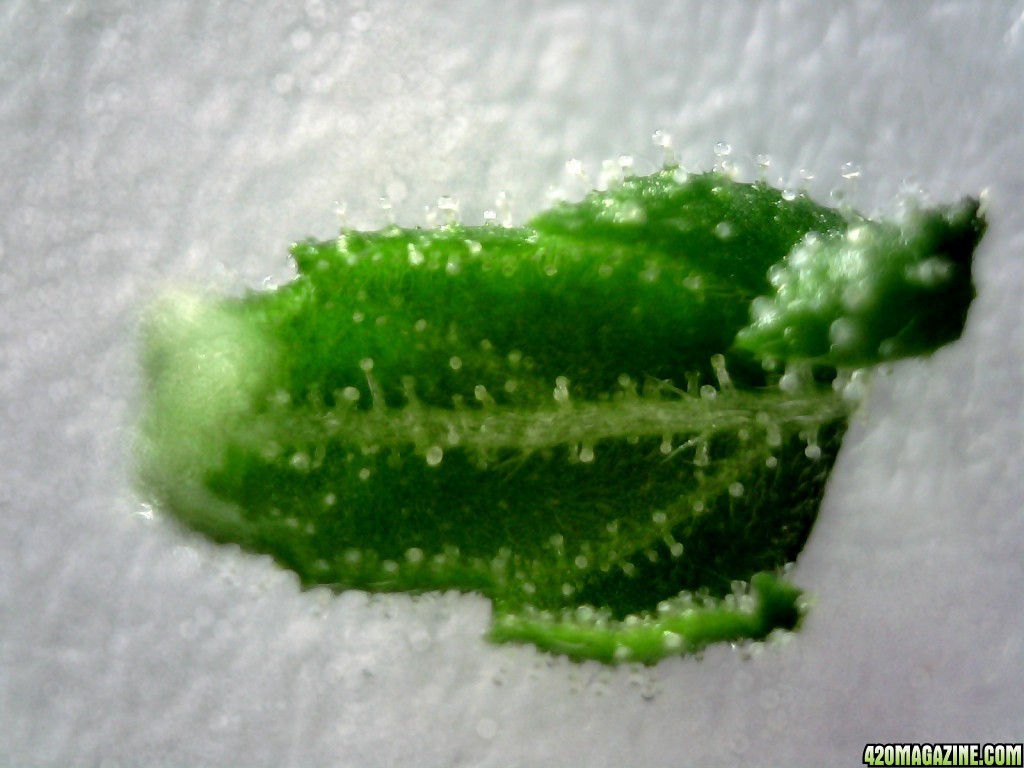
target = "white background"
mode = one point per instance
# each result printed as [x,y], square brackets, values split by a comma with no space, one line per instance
[149,144]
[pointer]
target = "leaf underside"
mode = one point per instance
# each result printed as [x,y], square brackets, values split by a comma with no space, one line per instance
[553,416]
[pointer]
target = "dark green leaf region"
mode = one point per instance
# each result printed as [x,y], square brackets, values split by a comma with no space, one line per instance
[616,422]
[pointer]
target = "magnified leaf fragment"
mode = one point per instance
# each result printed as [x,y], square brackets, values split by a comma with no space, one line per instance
[616,422]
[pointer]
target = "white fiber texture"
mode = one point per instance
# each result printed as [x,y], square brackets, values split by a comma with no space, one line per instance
[148,146]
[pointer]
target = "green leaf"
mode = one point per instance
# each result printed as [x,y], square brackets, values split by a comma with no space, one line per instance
[616,422]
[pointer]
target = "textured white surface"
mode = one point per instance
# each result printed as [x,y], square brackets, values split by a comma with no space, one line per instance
[150,143]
